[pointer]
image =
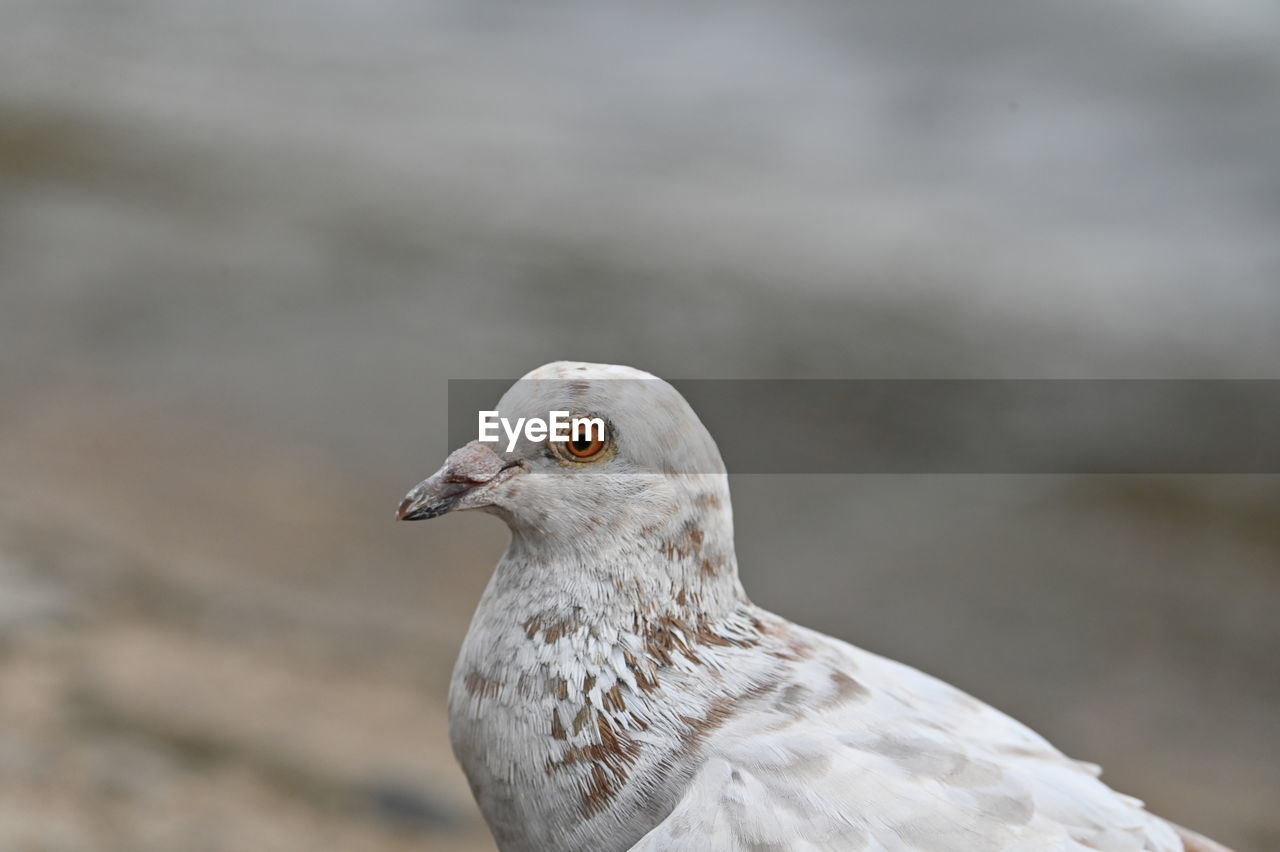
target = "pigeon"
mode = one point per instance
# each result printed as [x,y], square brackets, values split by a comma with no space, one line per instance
[618,690]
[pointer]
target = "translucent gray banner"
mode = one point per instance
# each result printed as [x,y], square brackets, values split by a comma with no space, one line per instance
[961,426]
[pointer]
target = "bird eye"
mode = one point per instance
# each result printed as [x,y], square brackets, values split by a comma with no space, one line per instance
[584,448]
[584,444]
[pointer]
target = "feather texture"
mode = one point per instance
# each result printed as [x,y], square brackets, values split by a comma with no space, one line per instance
[617,690]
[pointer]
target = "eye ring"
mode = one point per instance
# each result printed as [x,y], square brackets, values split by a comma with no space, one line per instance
[588,447]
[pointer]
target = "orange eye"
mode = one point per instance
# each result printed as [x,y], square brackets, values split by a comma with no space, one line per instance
[584,447]
[587,443]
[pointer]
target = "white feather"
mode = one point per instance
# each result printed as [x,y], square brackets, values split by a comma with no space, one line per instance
[617,689]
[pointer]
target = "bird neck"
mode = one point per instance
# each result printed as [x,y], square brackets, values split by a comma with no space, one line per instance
[681,565]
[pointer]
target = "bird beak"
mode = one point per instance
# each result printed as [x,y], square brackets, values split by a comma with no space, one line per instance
[467,474]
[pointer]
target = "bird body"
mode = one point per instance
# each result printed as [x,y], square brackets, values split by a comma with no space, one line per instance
[618,690]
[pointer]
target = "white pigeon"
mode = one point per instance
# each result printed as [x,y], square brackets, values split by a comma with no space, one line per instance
[617,690]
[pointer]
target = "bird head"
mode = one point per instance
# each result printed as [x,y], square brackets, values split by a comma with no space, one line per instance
[642,468]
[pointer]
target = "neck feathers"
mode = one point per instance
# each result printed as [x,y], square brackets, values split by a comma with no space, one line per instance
[676,561]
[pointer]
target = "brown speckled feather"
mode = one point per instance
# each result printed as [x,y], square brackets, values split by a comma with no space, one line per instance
[617,690]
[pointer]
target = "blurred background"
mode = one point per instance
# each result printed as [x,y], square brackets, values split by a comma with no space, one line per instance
[244,245]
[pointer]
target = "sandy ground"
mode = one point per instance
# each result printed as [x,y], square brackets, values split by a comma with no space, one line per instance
[183,669]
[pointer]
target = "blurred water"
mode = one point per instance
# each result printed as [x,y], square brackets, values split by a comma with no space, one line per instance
[1083,189]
